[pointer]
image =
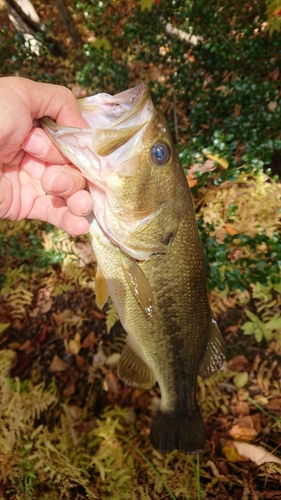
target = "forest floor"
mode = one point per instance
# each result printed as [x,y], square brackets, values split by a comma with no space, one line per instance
[69,428]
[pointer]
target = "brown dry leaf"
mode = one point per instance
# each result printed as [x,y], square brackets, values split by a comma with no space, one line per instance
[57,365]
[90,340]
[75,411]
[191,180]
[244,429]
[275,74]
[230,229]
[272,105]
[208,166]
[59,318]
[80,361]
[96,314]
[238,364]
[274,404]
[14,345]
[241,408]
[215,470]
[26,346]
[84,252]
[18,324]
[69,390]
[44,302]
[232,329]
[237,110]
[257,454]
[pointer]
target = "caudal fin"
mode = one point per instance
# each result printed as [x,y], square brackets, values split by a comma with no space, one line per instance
[185,434]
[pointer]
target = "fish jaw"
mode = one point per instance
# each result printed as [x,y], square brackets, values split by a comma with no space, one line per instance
[118,111]
[110,119]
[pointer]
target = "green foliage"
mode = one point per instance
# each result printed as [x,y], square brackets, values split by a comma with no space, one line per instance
[24,241]
[261,330]
[266,324]
[239,224]
[274,16]
[111,317]
[45,449]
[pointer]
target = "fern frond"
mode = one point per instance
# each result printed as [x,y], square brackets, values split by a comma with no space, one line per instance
[111,317]
[17,301]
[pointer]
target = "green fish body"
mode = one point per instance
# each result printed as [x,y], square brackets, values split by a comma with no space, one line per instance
[149,254]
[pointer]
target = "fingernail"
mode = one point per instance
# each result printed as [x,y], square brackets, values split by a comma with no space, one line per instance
[61,184]
[37,143]
[89,209]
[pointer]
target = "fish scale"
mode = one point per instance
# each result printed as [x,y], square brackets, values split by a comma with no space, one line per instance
[149,255]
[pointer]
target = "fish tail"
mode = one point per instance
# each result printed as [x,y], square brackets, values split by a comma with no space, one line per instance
[170,432]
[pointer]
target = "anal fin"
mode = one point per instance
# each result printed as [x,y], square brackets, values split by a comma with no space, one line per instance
[133,370]
[214,354]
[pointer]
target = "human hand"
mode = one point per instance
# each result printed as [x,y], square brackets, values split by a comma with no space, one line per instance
[36,181]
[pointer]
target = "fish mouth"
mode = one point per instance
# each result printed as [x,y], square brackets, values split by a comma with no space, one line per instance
[112,121]
[122,110]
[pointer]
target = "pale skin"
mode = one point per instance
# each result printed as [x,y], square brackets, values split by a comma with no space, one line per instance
[36,181]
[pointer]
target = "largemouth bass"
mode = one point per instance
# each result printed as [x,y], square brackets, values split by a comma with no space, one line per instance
[150,258]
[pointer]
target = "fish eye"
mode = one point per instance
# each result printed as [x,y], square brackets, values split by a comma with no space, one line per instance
[160,153]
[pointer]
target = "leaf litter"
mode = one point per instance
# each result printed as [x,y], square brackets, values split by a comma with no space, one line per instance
[66,351]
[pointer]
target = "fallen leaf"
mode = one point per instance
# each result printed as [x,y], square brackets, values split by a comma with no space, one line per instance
[191,181]
[4,326]
[238,364]
[84,252]
[96,314]
[272,105]
[69,390]
[257,454]
[90,340]
[231,453]
[57,365]
[241,379]
[274,404]
[241,408]
[99,359]
[74,345]
[230,229]
[42,335]
[18,324]
[221,161]
[59,318]
[14,345]
[26,346]
[75,411]
[243,432]
[113,359]
[112,386]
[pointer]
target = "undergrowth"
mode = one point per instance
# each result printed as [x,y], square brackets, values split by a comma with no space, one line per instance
[49,447]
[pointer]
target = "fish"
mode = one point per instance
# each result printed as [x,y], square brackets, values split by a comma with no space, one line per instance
[150,258]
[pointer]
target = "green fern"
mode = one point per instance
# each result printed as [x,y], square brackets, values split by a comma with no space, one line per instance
[111,317]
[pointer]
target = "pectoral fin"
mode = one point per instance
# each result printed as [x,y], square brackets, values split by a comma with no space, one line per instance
[139,286]
[133,370]
[214,355]
[101,289]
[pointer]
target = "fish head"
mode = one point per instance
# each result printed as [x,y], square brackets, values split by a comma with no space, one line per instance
[132,168]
